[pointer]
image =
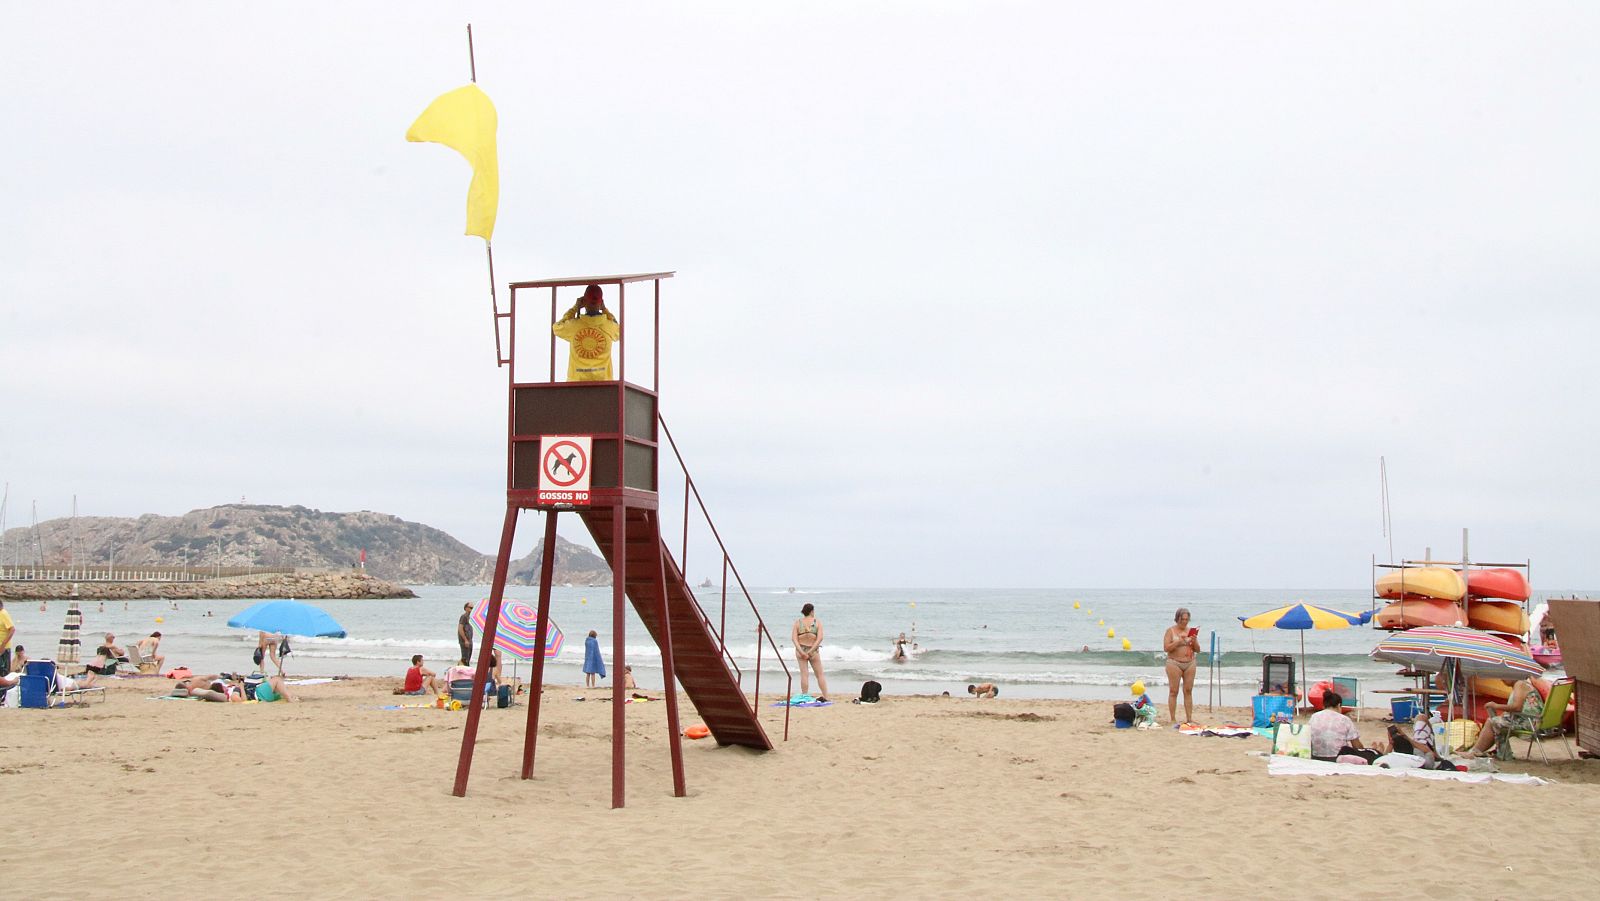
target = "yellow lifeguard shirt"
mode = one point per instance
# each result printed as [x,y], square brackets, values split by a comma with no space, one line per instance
[589,338]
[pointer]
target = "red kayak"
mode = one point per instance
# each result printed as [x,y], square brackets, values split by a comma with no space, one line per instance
[1497,583]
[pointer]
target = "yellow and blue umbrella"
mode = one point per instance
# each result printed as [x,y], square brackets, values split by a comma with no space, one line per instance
[1302,617]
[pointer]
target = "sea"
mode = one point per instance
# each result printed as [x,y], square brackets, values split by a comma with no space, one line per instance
[1041,643]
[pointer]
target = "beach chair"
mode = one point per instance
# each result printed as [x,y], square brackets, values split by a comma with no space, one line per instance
[45,670]
[1277,675]
[1350,690]
[1549,725]
[138,662]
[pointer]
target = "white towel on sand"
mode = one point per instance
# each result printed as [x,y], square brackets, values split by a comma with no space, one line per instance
[1279,765]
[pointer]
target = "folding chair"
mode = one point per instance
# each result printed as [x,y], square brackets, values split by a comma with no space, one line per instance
[45,672]
[138,662]
[1555,709]
[1349,690]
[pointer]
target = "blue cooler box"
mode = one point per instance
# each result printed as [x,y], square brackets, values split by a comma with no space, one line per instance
[1268,706]
[1404,709]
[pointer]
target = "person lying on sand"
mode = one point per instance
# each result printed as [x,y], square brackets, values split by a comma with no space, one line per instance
[985,690]
[208,688]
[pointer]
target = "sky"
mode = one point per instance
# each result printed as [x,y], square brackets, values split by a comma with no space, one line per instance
[1006,293]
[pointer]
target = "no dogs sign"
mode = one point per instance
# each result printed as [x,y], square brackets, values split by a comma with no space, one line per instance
[564,469]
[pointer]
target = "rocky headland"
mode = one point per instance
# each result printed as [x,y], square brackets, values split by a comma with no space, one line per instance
[303,586]
[242,537]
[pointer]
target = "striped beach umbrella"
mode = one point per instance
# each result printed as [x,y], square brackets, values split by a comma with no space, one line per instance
[1301,617]
[1476,653]
[515,634]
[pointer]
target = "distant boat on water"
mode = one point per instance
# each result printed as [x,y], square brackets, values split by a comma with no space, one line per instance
[706,582]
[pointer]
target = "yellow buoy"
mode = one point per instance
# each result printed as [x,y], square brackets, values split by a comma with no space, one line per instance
[913,603]
[583,600]
[1101,623]
[1127,645]
[1076,605]
[161,619]
[1111,633]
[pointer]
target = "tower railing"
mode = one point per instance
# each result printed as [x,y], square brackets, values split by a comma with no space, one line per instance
[720,628]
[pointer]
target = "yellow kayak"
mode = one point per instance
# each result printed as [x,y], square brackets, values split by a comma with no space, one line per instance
[1497,616]
[1422,582]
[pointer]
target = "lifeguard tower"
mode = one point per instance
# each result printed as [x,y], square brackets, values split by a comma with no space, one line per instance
[593,449]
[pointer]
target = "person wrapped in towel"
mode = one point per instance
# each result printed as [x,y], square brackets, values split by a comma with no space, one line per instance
[1144,711]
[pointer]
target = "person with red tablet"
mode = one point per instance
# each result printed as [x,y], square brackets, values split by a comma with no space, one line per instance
[1182,644]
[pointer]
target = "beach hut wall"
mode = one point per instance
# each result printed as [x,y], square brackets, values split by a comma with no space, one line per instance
[1577,622]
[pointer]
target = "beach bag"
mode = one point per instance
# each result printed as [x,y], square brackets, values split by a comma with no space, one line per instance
[250,683]
[870,691]
[1460,734]
[502,698]
[1271,709]
[1124,714]
[1292,740]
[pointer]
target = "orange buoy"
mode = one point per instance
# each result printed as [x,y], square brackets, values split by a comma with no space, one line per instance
[698,731]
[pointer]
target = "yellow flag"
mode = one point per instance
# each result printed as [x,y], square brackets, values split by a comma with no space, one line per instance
[464,120]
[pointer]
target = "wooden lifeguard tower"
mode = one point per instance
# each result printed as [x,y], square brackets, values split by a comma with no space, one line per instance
[621,425]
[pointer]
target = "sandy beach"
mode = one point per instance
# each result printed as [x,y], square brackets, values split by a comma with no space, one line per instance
[332,797]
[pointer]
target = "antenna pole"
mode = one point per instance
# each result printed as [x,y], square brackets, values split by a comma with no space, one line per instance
[472,59]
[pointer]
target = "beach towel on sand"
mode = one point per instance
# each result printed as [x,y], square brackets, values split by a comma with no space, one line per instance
[1226,730]
[1278,765]
[802,701]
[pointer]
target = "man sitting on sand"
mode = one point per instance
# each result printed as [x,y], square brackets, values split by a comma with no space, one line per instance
[986,690]
[1332,733]
[420,679]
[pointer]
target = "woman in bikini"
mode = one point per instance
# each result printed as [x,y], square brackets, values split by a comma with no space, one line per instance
[1181,648]
[806,634]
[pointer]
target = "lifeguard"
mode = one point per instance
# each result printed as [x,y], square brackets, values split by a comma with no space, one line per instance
[590,334]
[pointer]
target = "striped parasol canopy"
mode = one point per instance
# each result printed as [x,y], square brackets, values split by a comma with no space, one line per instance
[1305,616]
[515,634]
[1476,653]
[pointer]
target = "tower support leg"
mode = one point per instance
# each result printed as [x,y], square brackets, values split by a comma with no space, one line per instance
[668,670]
[469,737]
[619,609]
[541,637]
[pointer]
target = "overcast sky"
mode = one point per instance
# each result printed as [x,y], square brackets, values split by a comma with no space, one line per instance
[1022,294]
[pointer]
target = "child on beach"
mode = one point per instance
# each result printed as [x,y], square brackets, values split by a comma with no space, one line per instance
[986,690]
[1144,710]
[594,666]
[627,679]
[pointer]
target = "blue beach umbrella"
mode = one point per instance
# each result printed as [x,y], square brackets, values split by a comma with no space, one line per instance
[1301,617]
[288,617]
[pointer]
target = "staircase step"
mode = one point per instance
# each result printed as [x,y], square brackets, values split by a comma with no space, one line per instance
[702,670]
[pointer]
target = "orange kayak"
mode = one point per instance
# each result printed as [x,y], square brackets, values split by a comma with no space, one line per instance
[1497,616]
[1497,583]
[1412,612]
[1422,582]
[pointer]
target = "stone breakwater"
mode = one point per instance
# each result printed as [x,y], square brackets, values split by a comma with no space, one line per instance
[304,586]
